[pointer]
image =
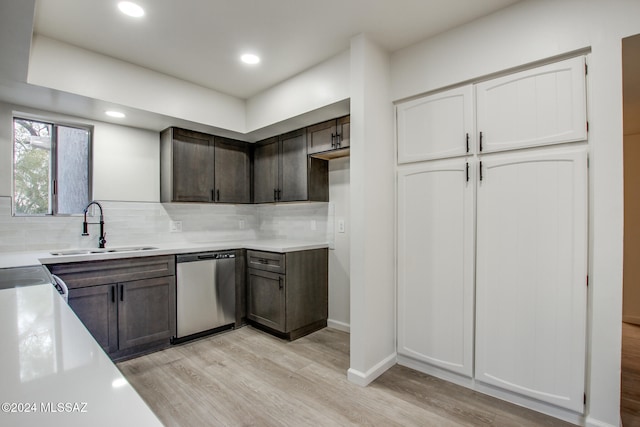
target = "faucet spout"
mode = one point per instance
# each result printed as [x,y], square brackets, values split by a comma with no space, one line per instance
[85,231]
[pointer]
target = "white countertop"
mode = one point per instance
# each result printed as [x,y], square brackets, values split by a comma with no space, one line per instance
[53,368]
[20,259]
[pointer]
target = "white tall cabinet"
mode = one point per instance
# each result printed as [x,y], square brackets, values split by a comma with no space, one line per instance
[436,230]
[435,264]
[541,106]
[531,275]
[436,126]
[492,238]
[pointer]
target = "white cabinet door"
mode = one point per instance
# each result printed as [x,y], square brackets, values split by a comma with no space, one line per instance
[436,126]
[531,274]
[436,264]
[542,106]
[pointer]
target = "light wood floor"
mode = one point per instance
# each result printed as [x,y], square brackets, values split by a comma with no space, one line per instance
[248,378]
[630,395]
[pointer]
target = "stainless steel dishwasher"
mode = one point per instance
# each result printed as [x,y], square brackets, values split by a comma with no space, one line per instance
[205,293]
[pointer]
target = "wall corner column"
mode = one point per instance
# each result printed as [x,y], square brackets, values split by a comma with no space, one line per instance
[373,295]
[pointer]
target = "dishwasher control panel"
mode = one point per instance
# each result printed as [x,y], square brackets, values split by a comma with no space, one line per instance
[204,256]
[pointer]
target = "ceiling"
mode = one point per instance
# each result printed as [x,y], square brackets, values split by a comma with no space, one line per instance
[200,41]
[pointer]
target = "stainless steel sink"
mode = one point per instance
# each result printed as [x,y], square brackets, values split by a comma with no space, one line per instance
[101,250]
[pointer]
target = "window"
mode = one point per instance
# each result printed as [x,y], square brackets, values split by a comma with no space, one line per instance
[51,164]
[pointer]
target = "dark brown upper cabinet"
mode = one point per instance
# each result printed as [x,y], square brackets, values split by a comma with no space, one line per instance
[186,166]
[266,158]
[283,172]
[232,171]
[197,167]
[330,139]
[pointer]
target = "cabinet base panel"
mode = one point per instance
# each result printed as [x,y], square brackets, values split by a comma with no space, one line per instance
[131,353]
[206,333]
[291,335]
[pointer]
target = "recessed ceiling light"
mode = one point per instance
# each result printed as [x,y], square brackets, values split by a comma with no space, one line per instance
[116,114]
[131,9]
[250,58]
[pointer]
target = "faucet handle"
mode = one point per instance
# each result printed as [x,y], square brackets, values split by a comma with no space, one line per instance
[102,240]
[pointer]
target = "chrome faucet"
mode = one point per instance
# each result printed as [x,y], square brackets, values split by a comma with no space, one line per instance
[85,232]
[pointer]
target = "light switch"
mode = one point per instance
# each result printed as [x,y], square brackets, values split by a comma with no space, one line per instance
[313,224]
[241,224]
[341,226]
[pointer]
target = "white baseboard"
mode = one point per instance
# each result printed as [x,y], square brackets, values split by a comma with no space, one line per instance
[341,326]
[365,378]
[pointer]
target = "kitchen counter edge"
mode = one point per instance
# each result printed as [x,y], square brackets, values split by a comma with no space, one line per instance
[21,259]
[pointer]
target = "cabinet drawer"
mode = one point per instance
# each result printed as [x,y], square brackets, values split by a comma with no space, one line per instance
[267,261]
[93,273]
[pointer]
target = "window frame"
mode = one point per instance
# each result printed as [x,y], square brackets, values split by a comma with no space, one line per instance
[53,180]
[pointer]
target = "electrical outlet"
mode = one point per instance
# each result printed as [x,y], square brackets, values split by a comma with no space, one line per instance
[175,226]
[341,226]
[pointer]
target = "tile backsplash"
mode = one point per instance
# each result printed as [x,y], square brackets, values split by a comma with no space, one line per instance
[134,223]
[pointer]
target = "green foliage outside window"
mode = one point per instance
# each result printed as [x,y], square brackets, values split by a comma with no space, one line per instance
[51,168]
[32,166]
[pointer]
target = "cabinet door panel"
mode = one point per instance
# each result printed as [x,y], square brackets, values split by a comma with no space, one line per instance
[232,171]
[321,137]
[192,168]
[96,307]
[546,105]
[435,126]
[266,299]
[436,264]
[147,311]
[265,171]
[293,167]
[344,130]
[531,273]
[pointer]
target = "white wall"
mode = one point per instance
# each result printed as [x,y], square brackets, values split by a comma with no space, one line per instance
[126,161]
[322,85]
[339,261]
[373,329]
[530,31]
[58,65]
[6,150]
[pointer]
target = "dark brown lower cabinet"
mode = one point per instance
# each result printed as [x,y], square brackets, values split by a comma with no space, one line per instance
[129,306]
[287,294]
[96,307]
[146,312]
[267,299]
